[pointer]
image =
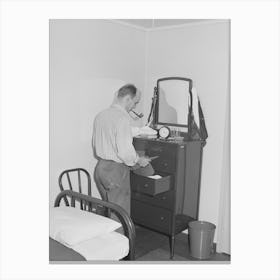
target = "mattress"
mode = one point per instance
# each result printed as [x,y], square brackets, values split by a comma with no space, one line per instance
[59,252]
[109,246]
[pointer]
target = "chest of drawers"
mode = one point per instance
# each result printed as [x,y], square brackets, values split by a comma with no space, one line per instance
[173,203]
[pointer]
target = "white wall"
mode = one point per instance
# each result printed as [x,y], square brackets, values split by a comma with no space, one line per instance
[200,52]
[89,61]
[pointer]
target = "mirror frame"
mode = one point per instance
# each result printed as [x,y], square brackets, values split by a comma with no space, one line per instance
[156,122]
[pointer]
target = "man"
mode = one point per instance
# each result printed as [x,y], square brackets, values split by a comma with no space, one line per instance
[112,141]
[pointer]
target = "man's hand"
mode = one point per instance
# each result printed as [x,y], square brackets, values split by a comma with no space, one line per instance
[146,130]
[143,161]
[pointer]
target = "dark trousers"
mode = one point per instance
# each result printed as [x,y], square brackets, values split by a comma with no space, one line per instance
[113,181]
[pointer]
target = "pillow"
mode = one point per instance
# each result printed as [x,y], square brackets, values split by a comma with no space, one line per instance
[71,226]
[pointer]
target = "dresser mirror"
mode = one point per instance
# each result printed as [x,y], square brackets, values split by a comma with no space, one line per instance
[172,102]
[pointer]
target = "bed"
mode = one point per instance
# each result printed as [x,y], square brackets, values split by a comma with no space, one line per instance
[86,233]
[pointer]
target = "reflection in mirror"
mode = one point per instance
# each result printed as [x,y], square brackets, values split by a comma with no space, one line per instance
[173,98]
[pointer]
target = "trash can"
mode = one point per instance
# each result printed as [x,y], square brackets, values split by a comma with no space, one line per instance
[201,236]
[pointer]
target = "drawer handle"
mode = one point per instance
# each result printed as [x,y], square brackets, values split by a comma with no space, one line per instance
[165,164]
[163,198]
[146,185]
[161,218]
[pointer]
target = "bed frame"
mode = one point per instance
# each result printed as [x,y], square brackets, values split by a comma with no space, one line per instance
[101,207]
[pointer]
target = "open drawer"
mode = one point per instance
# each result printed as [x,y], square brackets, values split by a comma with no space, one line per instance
[150,186]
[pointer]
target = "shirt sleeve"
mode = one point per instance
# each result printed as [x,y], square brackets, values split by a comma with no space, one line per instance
[125,148]
[135,130]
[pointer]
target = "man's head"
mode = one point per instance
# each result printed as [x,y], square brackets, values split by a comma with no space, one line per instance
[128,97]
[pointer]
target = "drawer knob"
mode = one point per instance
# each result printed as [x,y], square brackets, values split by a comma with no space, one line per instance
[165,164]
[161,218]
[146,185]
[163,198]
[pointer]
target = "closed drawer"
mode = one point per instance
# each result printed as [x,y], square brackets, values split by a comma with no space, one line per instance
[151,216]
[166,152]
[166,161]
[165,200]
[148,185]
[164,164]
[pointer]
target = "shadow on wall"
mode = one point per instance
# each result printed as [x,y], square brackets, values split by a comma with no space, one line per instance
[94,96]
[73,148]
[167,113]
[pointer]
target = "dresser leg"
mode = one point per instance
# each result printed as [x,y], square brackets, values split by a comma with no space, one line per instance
[171,243]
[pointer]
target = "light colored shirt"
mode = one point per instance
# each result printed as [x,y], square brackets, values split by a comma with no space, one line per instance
[112,136]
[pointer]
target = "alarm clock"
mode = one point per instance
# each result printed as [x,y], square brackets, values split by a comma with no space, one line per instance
[164,132]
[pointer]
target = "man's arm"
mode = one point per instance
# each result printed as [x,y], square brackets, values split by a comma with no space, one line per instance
[125,149]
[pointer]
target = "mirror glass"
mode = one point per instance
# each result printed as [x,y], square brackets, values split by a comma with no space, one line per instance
[173,98]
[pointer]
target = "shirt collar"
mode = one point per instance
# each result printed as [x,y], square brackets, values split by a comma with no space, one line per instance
[120,108]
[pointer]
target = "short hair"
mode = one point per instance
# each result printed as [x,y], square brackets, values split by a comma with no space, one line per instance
[128,89]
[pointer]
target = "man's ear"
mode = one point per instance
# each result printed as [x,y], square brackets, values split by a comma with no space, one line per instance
[127,98]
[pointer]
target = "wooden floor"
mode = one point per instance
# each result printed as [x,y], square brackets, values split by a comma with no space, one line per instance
[152,246]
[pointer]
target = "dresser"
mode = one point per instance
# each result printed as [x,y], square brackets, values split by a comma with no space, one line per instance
[167,204]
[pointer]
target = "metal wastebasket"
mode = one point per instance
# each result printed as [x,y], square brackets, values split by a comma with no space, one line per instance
[201,236]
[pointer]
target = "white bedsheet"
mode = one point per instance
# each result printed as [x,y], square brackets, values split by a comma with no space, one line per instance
[109,246]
